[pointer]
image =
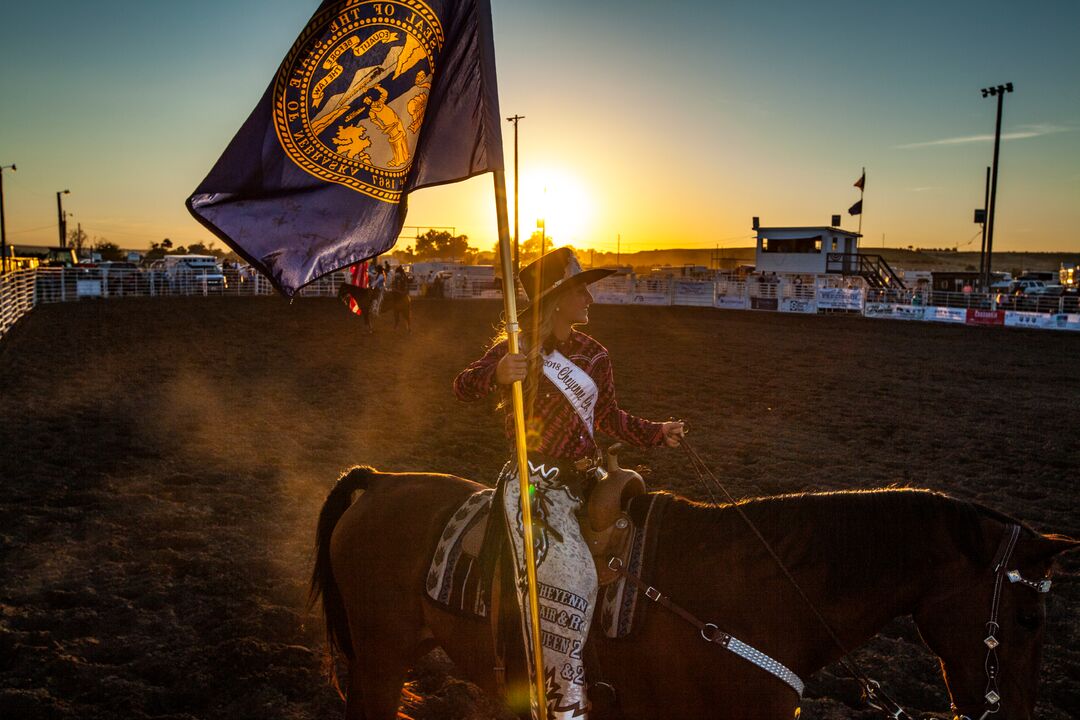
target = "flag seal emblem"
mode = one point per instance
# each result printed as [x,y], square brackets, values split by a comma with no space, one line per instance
[349,98]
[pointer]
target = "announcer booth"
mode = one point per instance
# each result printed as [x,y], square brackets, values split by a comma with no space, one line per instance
[805,250]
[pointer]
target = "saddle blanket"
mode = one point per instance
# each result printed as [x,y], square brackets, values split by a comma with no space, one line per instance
[454,578]
[455,581]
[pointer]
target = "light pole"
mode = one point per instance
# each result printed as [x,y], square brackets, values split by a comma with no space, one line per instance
[61,219]
[998,91]
[982,251]
[517,251]
[3,230]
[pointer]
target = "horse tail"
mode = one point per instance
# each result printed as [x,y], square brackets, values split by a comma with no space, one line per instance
[322,577]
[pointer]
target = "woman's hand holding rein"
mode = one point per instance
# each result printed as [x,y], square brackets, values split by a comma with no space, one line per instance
[673,432]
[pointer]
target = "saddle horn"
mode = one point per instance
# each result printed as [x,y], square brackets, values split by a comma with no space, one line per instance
[613,458]
[613,493]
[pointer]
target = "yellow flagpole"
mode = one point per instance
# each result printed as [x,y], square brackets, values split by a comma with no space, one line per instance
[512,330]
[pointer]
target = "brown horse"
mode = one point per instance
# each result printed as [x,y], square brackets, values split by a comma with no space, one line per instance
[863,558]
[396,300]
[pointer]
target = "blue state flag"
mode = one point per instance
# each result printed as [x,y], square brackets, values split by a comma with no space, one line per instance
[373,101]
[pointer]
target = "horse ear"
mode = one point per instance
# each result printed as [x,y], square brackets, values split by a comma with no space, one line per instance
[1047,546]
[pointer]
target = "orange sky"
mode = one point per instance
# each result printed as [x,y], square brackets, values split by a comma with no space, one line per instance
[670,124]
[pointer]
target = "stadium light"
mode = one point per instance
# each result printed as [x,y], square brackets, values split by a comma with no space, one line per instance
[999,92]
[60,216]
[3,231]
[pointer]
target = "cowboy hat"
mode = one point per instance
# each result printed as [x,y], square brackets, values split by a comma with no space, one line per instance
[555,274]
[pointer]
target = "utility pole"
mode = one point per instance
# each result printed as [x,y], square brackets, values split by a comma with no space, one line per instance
[60,218]
[3,230]
[618,250]
[998,91]
[517,246]
[983,275]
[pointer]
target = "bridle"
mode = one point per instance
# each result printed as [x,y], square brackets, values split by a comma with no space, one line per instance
[992,695]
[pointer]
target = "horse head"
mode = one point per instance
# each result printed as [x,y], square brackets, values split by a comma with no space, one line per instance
[987,627]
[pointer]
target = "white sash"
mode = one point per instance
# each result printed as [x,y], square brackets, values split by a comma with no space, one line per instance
[575,384]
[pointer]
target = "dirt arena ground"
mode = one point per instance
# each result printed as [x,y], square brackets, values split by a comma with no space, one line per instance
[162,463]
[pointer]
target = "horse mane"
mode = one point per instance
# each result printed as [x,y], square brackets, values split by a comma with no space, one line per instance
[872,513]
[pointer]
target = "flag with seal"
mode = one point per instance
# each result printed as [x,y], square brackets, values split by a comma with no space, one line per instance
[373,101]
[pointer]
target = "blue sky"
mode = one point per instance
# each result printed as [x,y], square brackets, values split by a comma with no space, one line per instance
[670,124]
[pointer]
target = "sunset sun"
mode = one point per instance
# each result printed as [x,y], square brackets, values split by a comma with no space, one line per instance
[559,198]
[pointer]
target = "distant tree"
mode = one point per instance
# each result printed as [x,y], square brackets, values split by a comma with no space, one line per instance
[536,244]
[158,250]
[78,239]
[204,249]
[529,251]
[404,256]
[441,244]
[108,250]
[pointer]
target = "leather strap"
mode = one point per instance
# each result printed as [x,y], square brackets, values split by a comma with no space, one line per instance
[498,630]
[712,633]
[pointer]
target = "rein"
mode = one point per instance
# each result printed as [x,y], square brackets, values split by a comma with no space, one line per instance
[872,693]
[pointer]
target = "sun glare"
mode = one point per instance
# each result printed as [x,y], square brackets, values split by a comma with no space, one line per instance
[561,200]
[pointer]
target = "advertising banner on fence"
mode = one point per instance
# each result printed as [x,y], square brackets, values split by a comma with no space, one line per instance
[693,292]
[797,305]
[1066,321]
[651,298]
[909,312]
[730,302]
[89,288]
[610,297]
[985,317]
[839,299]
[879,310]
[1020,318]
[946,314]
[763,303]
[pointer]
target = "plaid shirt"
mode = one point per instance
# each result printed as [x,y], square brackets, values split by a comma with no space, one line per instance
[555,429]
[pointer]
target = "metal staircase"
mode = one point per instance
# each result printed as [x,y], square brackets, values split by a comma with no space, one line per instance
[872,268]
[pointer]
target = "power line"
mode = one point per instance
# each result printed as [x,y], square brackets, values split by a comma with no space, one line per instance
[26,230]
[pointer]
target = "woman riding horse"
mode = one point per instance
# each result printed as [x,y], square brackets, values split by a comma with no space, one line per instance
[569,395]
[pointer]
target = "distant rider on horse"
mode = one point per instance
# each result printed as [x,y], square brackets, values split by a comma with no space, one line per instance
[400,283]
[569,395]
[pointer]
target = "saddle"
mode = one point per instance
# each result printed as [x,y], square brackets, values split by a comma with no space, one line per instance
[464,574]
[606,524]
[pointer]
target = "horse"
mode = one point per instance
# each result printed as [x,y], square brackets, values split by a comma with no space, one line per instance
[397,300]
[861,557]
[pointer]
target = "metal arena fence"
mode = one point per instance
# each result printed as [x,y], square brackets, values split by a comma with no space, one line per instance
[22,290]
[16,297]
